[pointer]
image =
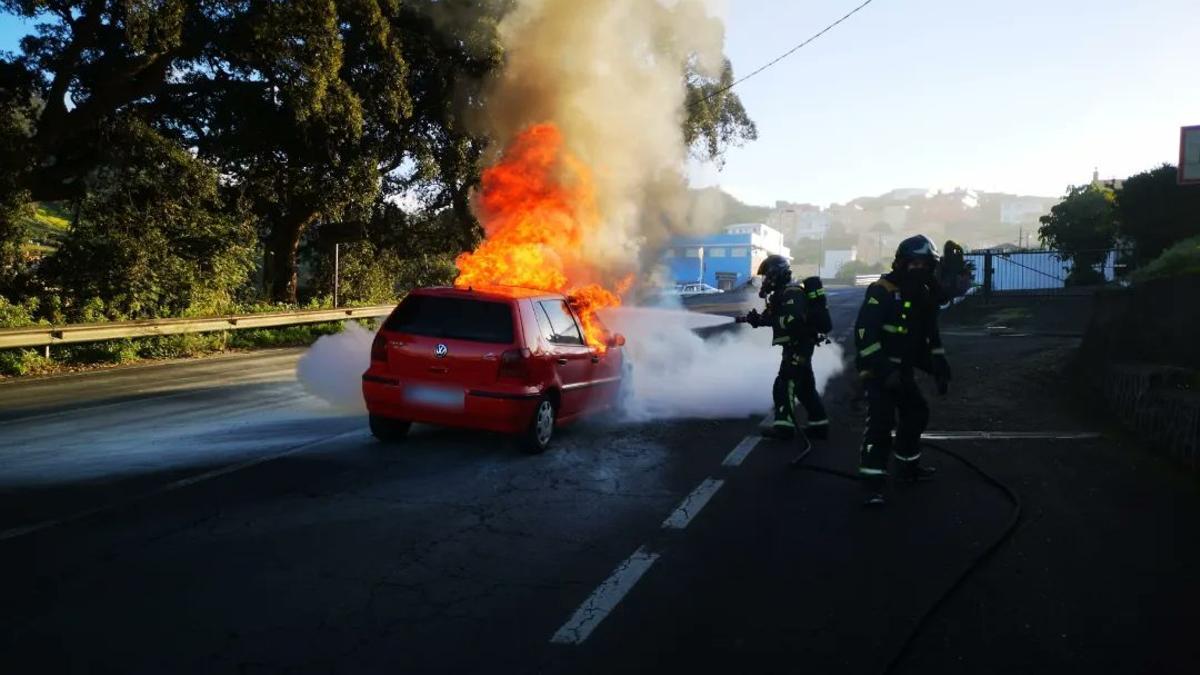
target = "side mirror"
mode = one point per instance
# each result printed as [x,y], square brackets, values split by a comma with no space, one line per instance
[616,340]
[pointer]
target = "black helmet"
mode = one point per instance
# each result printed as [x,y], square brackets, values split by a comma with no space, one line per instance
[776,273]
[918,246]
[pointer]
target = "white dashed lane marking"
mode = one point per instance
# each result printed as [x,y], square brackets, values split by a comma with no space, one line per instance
[739,454]
[691,504]
[608,594]
[604,599]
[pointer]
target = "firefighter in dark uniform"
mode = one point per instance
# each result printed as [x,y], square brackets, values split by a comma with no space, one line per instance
[799,319]
[896,334]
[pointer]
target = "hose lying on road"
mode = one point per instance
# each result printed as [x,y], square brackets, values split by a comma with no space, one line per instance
[1009,529]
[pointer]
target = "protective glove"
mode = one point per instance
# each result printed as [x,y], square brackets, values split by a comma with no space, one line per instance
[941,373]
[814,290]
[754,318]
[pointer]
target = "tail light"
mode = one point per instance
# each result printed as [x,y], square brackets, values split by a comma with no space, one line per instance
[514,363]
[379,348]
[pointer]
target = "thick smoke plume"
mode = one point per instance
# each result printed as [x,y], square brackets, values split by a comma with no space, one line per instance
[678,374]
[609,74]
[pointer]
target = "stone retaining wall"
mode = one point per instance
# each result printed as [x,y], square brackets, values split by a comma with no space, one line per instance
[1142,351]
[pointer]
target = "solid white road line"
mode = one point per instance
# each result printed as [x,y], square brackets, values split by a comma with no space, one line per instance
[691,504]
[604,599]
[15,532]
[1009,435]
[739,454]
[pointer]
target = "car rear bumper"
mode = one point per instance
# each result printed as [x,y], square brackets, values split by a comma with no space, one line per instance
[506,410]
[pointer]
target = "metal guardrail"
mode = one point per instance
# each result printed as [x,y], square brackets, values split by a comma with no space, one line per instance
[43,336]
[866,279]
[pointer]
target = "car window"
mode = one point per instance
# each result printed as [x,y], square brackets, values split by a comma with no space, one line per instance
[454,318]
[562,324]
[543,322]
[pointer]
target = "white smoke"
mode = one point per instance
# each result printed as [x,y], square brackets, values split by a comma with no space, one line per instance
[678,374]
[332,368]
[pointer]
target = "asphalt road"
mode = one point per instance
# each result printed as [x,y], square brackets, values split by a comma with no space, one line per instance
[210,517]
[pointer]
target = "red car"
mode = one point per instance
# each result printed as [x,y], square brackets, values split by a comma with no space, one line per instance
[511,360]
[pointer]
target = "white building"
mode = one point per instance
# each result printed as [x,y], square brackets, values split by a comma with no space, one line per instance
[834,259]
[798,221]
[764,239]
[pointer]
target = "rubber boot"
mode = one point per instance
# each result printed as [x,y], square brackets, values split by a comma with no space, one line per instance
[914,471]
[873,489]
[817,430]
[778,431]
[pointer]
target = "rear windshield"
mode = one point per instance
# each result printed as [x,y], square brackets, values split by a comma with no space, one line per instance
[453,318]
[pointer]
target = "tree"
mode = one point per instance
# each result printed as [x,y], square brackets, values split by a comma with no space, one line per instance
[310,111]
[303,106]
[299,104]
[716,118]
[1155,211]
[91,63]
[137,251]
[1082,228]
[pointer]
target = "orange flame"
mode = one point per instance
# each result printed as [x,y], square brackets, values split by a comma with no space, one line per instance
[537,206]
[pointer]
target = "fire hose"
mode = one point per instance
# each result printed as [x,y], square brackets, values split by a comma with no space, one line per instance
[983,556]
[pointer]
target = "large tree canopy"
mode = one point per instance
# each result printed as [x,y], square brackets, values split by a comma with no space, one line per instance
[308,112]
[1155,211]
[1082,228]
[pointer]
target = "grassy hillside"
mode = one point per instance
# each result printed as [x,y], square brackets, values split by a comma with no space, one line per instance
[46,228]
[729,209]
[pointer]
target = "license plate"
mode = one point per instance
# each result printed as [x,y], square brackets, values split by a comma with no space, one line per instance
[448,398]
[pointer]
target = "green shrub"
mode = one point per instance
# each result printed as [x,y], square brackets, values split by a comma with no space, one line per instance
[17,316]
[287,336]
[1180,259]
[23,362]
[182,346]
[138,251]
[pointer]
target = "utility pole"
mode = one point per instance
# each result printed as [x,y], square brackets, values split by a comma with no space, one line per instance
[336,262]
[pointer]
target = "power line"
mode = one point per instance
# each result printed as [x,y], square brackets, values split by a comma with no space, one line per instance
[784,55]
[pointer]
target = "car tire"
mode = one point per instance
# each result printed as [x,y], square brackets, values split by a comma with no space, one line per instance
[387,429]
[541,428]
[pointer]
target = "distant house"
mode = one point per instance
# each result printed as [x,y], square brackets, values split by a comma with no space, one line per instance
[723,260]
[834,259]
[1110,183]
[798,221]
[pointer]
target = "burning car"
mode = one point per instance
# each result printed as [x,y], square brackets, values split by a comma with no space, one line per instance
[510,360]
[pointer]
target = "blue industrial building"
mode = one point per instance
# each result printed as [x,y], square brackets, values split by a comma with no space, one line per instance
[725,260]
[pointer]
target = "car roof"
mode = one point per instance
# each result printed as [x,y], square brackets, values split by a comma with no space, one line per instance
[493,292]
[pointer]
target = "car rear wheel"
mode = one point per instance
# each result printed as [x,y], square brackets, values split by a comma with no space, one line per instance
[388,430]
[541,428]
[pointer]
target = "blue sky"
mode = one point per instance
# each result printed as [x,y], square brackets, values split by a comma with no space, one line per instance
[1021,96]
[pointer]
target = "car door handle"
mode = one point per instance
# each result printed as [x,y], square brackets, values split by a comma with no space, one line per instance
[595,359]
[562,362]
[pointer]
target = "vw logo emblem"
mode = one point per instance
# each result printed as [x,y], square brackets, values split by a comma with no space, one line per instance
[440,351]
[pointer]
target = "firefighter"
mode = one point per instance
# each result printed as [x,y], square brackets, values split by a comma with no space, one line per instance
[799,319]
[897,333]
